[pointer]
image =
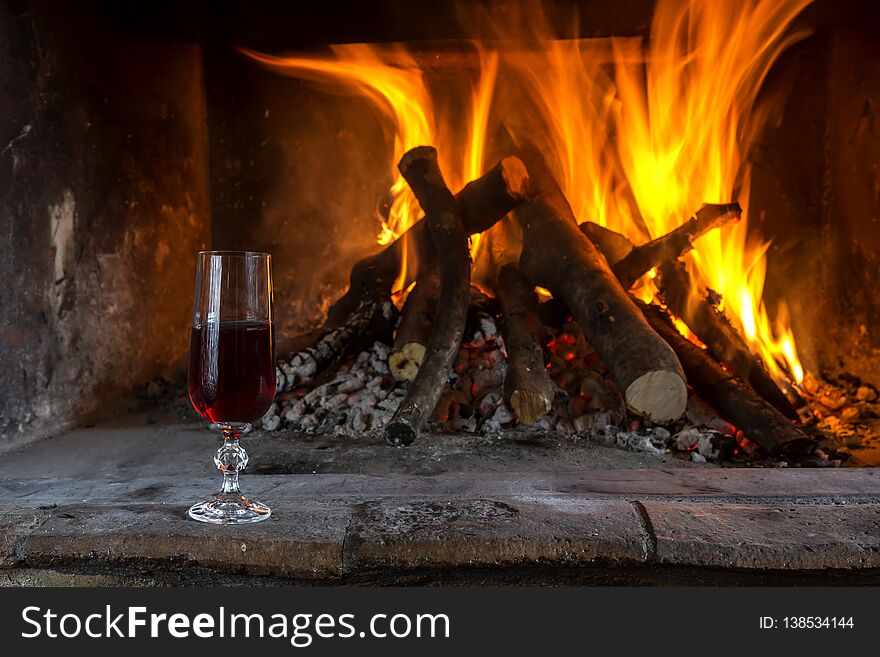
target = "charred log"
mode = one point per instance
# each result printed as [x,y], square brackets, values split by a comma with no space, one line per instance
[420,169]
[480,203]
[734,400]
[414,328]
[611,244]
[722,340]
[558,256]
[528,388]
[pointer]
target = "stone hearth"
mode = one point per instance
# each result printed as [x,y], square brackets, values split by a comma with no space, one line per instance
[106,505]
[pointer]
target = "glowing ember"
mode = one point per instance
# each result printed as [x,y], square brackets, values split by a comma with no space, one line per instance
[685,330]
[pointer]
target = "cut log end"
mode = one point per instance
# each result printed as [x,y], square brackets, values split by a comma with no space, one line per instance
[515,176]
[734,400]
[659,396]
[415,154]
[716,215]
[400,433]
[404,363]
[414,328]
[529,406]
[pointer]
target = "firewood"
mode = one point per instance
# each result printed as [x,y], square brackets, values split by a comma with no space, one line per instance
[715,331]
[481,203]
[702,317]
[372,320]
[528,389]
[558,256]
[669,247]
[420,169]
[611,244]
[554,313]
[414,328]
[734,400]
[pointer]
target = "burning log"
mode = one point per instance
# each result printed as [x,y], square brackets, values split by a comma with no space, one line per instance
[528,389]
[481,203]
[414,328]
[736,401]
[355,318]
[420,169]
[722,340]
[702,317]
[669,247]
[559,257]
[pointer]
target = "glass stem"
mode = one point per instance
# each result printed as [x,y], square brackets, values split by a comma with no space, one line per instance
[231,457]
[230,482]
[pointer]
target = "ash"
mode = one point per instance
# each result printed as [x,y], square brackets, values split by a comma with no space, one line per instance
[846,411]
[361,397]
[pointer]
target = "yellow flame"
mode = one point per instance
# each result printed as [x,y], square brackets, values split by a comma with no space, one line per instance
[399,94]
[543,293]
[640,138]
[685,330]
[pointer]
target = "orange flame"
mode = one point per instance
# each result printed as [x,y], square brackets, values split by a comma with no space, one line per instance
[639,136]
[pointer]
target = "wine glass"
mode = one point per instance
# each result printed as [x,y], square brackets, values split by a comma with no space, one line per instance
[232,367]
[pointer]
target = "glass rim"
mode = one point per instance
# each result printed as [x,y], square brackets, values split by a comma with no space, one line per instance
[240,254]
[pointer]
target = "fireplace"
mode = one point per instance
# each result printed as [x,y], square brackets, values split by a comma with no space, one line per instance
[602,274]
[135,136]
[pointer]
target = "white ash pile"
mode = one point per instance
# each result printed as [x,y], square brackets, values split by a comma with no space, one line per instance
[362,396]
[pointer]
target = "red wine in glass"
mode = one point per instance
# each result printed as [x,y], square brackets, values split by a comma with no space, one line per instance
[232,367]
[235,378]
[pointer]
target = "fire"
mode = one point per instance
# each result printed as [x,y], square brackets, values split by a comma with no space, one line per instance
[641,138]
[684,120]
[639,133]
[481,103]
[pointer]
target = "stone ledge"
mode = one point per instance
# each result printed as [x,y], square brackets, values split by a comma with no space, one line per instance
[300,543]
[341,539]
[105,504]
[807,486]
[760,536]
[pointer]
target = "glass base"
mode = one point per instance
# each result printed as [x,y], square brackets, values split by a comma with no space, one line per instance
[229,509]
